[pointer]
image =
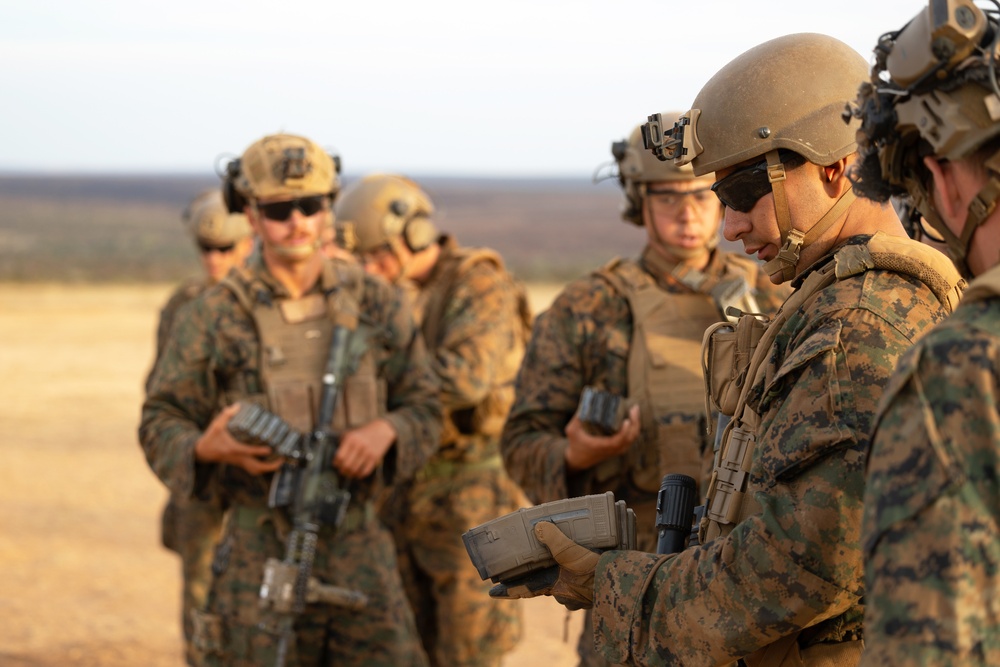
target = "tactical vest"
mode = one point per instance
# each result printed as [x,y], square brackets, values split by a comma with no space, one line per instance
[735,362]
[486,418]
[294,337]
[664,374]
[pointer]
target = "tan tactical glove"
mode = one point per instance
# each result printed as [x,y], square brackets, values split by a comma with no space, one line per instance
[571,583]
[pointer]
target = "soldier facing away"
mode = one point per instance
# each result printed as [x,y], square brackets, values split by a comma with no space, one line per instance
[932,498]
[632,328]
[190,526]
[474,319]
[778,576]
[262,336]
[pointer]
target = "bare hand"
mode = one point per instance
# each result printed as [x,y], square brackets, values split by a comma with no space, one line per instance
[361,450]
[217,445]
[586,450]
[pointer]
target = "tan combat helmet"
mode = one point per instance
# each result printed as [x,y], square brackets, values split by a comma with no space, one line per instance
[382,210]
[786,94]
[933,91]
[637,167]
[284,166]
[211,224]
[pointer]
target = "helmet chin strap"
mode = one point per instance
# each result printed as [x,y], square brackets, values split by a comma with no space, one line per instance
[793,240]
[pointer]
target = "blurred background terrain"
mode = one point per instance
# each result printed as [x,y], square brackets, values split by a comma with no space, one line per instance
[127,228]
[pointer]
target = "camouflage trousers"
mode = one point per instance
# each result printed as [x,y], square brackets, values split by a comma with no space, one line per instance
[360,556]
[459,624]
[191,528]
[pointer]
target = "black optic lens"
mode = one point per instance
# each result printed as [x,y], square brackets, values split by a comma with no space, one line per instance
[207,248]
[742,189]
[281,211]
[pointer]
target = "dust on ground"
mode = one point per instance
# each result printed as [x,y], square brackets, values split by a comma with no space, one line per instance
[85,580]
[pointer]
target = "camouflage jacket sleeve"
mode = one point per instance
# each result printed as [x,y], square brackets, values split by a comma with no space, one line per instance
[181,399]
[477,328]
[798,562]
[414,409]
[932,502]
[583,339]
[182,295]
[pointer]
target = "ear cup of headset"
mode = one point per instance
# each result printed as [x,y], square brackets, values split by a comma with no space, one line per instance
[235,202]
[418,231]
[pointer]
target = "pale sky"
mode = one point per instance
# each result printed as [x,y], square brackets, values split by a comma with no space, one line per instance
[439,87]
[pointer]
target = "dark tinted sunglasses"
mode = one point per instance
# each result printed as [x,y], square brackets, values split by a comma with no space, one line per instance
[743,188]
[206,248]
[281,211]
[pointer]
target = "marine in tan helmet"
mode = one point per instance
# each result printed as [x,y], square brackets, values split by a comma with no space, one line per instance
[930,132]
[474,318]
[632,328]
[190,527]
[778,576]
[264,336]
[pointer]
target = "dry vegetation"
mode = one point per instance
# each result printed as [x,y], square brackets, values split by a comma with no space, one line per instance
[128,229]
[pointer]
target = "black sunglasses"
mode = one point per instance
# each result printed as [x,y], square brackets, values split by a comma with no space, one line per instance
[206,248]
[742,189]
[281,211]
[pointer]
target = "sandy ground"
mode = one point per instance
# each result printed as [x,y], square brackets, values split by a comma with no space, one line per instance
[84,578]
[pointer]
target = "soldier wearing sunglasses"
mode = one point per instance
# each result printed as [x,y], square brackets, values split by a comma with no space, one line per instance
[778,576]
[262,335]
[604,331]
[932,498]
[190,526]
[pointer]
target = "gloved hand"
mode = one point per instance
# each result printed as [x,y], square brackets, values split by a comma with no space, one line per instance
[571,583]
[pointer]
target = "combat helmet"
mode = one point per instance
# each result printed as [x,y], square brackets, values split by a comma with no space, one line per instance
[280,166]
[381,210]
[933,92]
[210,222]
[637,167]
[786,94]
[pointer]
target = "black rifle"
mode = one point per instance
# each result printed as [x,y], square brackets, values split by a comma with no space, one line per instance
[309,486]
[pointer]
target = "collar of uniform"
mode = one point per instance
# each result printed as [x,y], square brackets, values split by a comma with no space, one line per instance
[262,278]
[662,269]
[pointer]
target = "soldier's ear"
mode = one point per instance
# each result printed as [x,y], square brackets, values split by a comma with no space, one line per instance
[946,193]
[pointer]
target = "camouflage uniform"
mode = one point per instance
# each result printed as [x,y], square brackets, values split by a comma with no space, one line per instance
[189,526]
[471,311]
[584,339]
[214,359]
[932,501]
[788,576]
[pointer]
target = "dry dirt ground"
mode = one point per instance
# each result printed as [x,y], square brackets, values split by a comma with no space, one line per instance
[84,579]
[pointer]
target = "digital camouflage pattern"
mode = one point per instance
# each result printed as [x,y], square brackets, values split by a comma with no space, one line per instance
[190,527]
[798,562]
[212,359]
[932,500]
[583,339]
[476,327]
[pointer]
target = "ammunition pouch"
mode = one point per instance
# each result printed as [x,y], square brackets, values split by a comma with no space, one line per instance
[726,351]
